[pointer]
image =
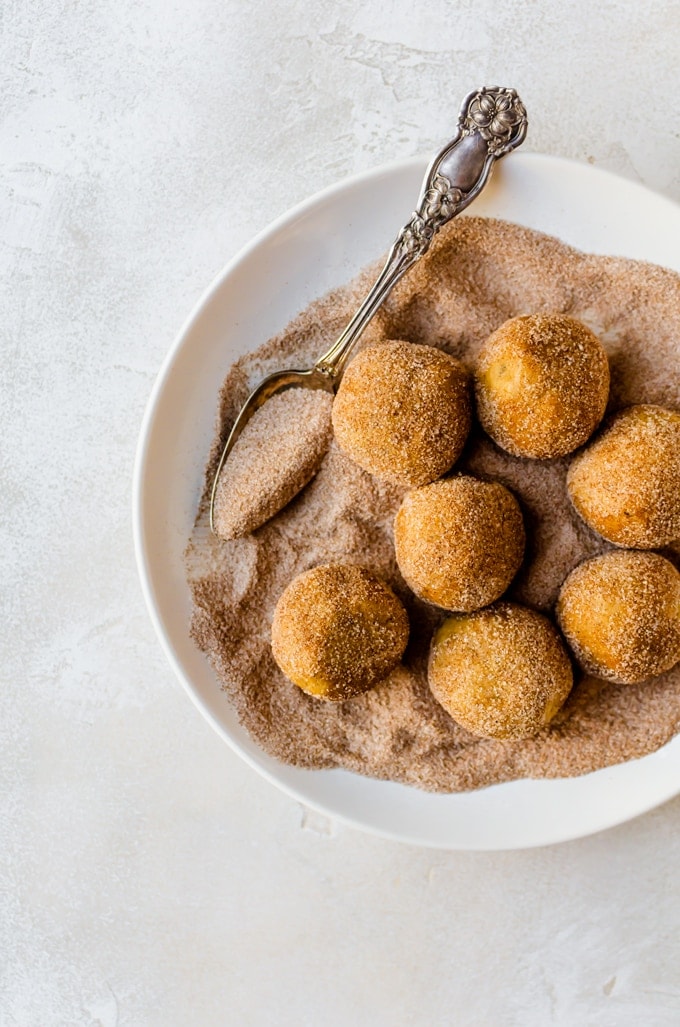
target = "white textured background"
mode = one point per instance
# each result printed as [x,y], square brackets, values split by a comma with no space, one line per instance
[147,876]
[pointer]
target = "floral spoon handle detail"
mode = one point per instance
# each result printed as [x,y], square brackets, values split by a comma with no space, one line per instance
[491,123]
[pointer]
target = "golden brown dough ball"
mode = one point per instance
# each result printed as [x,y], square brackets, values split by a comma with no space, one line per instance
[542,383]
[337,631]
[459,542]
[403,412]
[626,484]
[502,672]
[620,613]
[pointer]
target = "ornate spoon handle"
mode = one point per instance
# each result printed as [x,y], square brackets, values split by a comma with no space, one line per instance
[492,121]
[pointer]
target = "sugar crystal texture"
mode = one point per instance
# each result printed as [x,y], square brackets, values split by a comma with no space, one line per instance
[278,452]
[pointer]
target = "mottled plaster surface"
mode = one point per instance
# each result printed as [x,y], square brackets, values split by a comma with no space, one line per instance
[148,878]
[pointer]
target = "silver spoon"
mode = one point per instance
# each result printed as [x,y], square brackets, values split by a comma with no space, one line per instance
[491,123]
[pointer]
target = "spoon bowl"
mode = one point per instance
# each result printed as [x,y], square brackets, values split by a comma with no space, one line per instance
[279,381]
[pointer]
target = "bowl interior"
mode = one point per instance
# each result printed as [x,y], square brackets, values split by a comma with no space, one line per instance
[321,244]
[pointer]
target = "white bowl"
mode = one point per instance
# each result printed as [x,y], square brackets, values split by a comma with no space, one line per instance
[320,244]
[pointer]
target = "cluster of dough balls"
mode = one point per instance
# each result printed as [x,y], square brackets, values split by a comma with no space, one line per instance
[620,612]
[541,385]
[403,413]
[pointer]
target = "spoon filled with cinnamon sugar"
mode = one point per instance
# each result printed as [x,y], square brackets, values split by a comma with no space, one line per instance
[281,434]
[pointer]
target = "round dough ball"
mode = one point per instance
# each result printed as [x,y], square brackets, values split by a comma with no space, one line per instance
[337,631]
[620,613]
[502,672]
[403,412]
[459,542]
[542,384]
[626,484]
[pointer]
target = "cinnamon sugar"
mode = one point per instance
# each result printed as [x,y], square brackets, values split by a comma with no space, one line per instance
[278,452]
[478,274]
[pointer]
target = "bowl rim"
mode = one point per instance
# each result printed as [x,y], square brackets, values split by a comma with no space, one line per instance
[138,485]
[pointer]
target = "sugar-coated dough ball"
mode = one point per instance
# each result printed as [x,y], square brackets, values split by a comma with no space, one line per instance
[403,412]
[459,542]
[501,672]
[541,383]
[338,630]
[626,484]
[620,613]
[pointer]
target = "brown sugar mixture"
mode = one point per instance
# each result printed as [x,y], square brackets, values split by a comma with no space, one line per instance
[479,273]
[278,452]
